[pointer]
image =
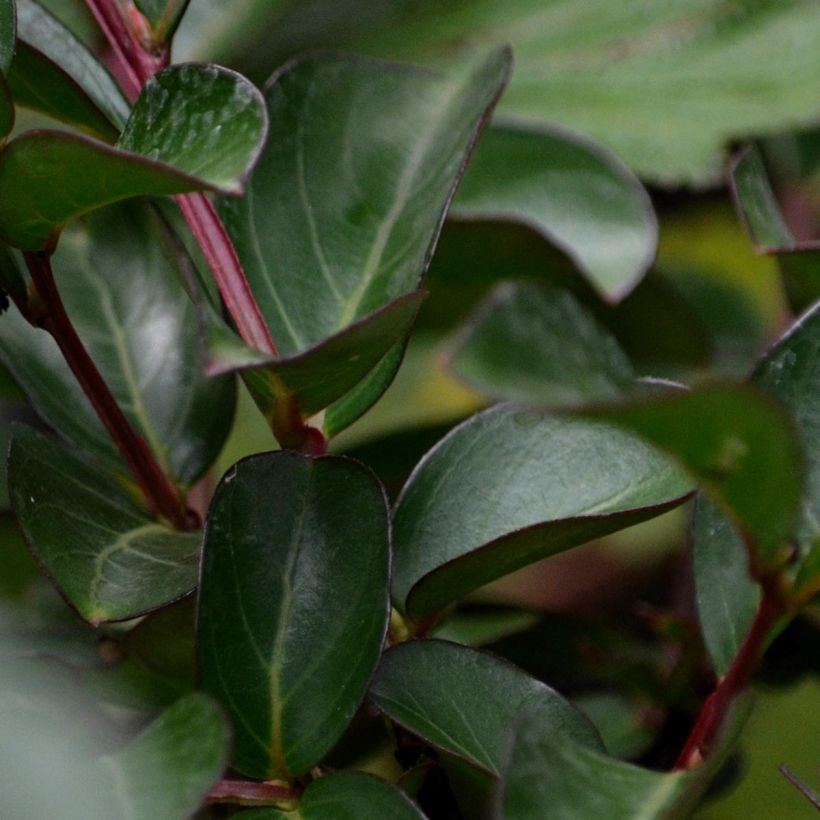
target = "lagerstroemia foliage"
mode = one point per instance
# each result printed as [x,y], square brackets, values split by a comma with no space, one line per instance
[311,627]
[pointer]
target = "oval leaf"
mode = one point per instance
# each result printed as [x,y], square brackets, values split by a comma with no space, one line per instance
[293,604]
[118,280]
[534,343]
[108,558]
[741,447]
[339,222]
[436,689]
[346,796]
[511,486]
[575,193]
[193,128]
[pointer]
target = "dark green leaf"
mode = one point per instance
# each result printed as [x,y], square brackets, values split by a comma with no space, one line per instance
[293,604]
[625,729]
[741,447]
[574,192]
[549,777]
[119,285]
[8,26]
[727,597]
[791,372]
[40,84]
[346,796]
[165,773]
[193,128]
[438,690]
[6,108]
[477,626]
[509,487]
[344,207]
[108,558]
[12,279]
[71,59]
[538,344]
[163,16]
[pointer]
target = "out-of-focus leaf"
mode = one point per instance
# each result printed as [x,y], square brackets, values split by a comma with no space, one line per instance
[741,447]
[8,33]
[755,200]
[538,344]
[346,796]
[163,16]
[117,278]
[192,128]
[666,85]
[618,719]
[66,57]
[477,626]
[293,604]
[107,557]
[435,689]
[467,515]
[344,208]
[573,192]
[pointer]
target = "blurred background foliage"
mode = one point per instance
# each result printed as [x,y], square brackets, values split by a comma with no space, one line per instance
[670,87]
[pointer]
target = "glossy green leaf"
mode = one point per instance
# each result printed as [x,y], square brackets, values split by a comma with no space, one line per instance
[437,689]
[538,344]
[549,777]
[118,279]
[727,597]
[346,796]
[317,377]
[165,773]
[192,128]
[575,193]
[343,210]
[8,33]
[741,447]
[162,15]
[665,85]
[65,59]
[40,84]
[109,559]
[511,486]
[293,604]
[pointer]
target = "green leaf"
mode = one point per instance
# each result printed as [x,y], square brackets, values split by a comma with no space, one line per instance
[536,343]
[755,201]
[666,86]
[293,604]
[40,84]
[511,486]
[165,773]
[163,16]
[64,59]
[118,279]
[741,447]
[108,558]
[575,193]
[192,128]
[8,33]
[6,107]
[727,597]
[437,689]
[344,208]
[346,796]
[550,777]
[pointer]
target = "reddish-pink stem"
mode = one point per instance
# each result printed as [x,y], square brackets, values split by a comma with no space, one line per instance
[248,792]
[161,496]
[220,254]
[713,713]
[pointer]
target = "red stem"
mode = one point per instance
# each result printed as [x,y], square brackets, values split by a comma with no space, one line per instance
[161,496]
[220,254]
[714,710]
[248,792]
